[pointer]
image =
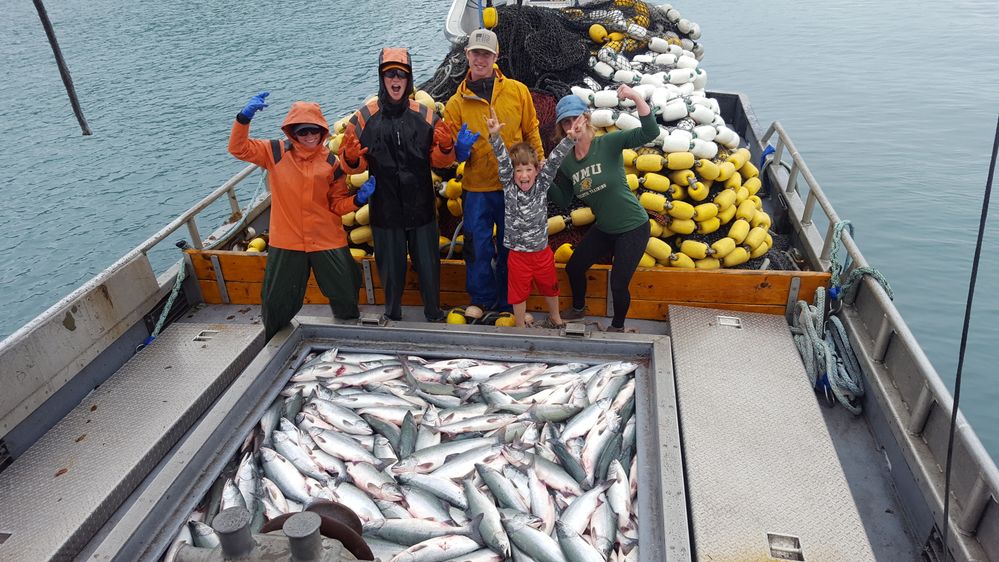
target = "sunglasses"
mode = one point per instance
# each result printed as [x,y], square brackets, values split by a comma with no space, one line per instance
[396,73]
[310,131]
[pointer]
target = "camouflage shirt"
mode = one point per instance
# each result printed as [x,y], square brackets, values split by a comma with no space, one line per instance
[526,212]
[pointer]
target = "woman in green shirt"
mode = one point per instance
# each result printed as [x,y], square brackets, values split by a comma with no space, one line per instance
[594,172]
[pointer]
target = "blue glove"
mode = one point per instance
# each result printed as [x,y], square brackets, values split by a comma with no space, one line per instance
[255,104]
[463,146]
[364,192]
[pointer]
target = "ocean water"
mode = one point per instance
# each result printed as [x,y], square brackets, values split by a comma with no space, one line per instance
[893,105]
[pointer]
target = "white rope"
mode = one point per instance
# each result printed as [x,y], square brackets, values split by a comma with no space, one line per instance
[827,355]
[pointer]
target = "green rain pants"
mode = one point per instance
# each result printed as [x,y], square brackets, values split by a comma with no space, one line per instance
[287,275]
[423,245]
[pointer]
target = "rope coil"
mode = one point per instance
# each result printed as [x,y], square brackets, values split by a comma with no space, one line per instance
[825,349]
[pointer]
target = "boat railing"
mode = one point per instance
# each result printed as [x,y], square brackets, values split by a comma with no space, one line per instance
[910,391]
[92,319]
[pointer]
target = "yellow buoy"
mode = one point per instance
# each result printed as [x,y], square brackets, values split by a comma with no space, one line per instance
[695,249]
[683,177]
[348,219]
[655,182]
[739,157]
[563,253]
[760,250]
[738,256]
[746,210]
[680,209]
[453,189]
[629,156]
[489,17]
[655,229]
[755,237]
[733,181]
[598,34]
[708,226]
[705,211]
[357,180]
[761,219]
[506,320]
[682,226]
[680,259]
[582,216]
[360,235]
[723,247]
[454,207]
[362,215]
[725,199]
[708,263]
[258,244]
[748,170]
[358,253]
[649,163]
[741,194]
[334,143]
[739,230]
[647,261]
[456,316]
[679,160]
[658,249]
[725,171]
[556,224]
[652,202]
[707,169]
[698,192]
[425,99]
[677,192]
[633,182]
[725,215]
[753,184]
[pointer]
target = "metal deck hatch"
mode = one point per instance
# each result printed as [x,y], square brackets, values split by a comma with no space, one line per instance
[63,489]
[757,491]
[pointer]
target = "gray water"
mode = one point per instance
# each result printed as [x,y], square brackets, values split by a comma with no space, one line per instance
[893,104]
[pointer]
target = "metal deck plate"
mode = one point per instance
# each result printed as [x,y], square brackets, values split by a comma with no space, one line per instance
[62,490]
[763,477]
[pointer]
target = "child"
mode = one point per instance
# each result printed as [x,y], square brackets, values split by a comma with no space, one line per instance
[525,202]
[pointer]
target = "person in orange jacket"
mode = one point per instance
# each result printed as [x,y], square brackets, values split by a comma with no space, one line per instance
[399,140]
[485,89]
[308,196]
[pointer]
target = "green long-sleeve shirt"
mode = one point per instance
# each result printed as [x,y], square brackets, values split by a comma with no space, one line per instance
[599,180]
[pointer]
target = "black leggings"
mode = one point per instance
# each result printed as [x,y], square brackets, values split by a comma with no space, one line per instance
[627,249]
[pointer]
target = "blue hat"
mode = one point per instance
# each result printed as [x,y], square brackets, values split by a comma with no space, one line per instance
[570,106]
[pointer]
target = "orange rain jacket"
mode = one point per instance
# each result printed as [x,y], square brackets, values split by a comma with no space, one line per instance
[514,108]
[308,188]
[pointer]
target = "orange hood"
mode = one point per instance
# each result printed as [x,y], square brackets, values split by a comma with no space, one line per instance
[305,112]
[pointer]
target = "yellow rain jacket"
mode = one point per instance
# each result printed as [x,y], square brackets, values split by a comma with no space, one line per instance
[514,108]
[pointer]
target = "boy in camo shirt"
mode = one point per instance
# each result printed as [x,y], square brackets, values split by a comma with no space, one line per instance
[525,198]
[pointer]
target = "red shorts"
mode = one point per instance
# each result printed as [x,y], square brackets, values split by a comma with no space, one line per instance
[524,267]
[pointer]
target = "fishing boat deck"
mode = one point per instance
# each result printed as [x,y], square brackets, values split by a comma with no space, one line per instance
[841,453]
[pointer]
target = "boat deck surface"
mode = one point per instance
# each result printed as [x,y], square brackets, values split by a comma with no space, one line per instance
[99,474]
[852,458]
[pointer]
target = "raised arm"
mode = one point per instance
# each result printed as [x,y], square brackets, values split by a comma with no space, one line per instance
[254,151]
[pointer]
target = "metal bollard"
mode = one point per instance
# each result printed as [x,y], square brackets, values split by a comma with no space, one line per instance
[302,530]
[233,529]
